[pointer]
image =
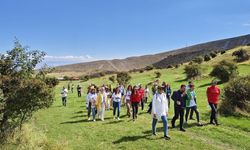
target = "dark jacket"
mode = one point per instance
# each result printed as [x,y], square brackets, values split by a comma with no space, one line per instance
[177,96]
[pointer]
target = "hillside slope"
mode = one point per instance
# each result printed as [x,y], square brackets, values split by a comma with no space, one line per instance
[161,59]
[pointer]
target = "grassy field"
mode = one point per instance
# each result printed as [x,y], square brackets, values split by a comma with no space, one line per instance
[69,127]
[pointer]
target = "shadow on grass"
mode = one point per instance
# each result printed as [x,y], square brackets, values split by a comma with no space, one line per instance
[181,80]
[208,84]
[131,138]
[114,122]
[79,112]
[76,121]
[80,116]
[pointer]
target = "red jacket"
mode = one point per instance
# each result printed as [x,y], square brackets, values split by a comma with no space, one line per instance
[213,93]
[136,97]
[141,92]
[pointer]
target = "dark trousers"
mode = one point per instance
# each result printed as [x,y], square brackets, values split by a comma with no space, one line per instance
[64,101]
[191,114]
[135,109]
[116,105]
[89,110]
[213,117]
[194,109]
[142,104]
[178,111]
[79,93]
[150,107]
[168,97]
[145,100]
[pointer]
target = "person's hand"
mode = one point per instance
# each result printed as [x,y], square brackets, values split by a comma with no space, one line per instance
[166,113]
[178,102]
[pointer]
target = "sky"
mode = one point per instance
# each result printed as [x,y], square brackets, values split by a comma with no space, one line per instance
[72,31]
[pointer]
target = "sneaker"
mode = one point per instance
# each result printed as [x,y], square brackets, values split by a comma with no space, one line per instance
[94,120]
[114,118]
[154,134]
[102,119]
[88,119]
[118,118]
[212,123]
[199,124]
[167,137]
[183,130]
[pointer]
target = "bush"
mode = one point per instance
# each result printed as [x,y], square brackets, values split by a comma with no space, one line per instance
[207,58]
[123,77]
[224,70]
[158,74]
[177,66]
[85,78]
[169,66]
[148,68]
[236,96]
[51,81]
[241,55]
[198,60]
[112,79]
[213,54]
[141,71]
[192,71]
[222,52]
[190,63]
[102,74]
[66,78]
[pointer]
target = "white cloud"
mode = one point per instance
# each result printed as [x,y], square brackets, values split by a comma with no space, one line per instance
[68,59]
[246,24]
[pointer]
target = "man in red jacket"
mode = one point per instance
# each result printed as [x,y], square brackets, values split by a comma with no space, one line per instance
[135,100]
[213,93]
[141,92]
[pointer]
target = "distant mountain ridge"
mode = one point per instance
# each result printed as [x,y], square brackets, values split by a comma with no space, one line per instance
[157,60]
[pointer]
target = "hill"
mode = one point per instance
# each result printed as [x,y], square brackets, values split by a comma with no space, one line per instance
[157,60]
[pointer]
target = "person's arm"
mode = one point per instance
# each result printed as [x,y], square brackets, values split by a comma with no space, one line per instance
[166,103]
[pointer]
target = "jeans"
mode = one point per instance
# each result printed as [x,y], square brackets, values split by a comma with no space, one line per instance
[165,125]
[213,117]
[93,112]
[116,105]
[194,108]
[178,111]
[89,109]
[64,101]
[135,109]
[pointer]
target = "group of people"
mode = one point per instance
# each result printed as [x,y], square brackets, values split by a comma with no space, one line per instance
[103,98]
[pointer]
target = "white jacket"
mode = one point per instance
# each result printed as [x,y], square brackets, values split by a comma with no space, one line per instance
[159,105]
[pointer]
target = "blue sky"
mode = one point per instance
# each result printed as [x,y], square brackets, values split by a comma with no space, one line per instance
[73,31]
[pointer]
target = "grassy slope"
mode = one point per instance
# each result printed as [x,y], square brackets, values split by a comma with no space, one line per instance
[68,125]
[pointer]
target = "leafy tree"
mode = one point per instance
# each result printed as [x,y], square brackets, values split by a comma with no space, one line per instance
[148,68]
[22,90]
[158,74]
[198,60]
[66,78]
[85,78]
[222,52]
[192,71]
[224,70]
[123,77]
[241,55]
[112,79]
[213,54]
[207,58]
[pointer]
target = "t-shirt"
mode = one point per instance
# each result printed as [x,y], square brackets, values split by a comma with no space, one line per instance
[64,93]
[128,95]
[116,97]
[191,97]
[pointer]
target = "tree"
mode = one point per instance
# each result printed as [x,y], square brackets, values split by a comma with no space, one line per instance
[123,77]
[192,71]
[213,54]
[207,58]
[198,60]
[148,68]
[236,95]
[241,55]
[23,91]
[112,79]
[158,74]
[224,70]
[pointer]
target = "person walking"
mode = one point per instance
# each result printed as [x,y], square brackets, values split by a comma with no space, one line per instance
[160,110]
[191,104]
[64,96]
[127,98]
[213,93]
[101,103]
[135,100]
[168,93]
[146,94]
[91,99]
[72,88]
[179,97]
[190,83]
[116,97]
[79,90]
[141,92]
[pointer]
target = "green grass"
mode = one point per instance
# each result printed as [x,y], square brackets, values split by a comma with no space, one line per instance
[69,125]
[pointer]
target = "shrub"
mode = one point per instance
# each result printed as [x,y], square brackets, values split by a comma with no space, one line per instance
[123,77]
[148,68]
[192,71]
[85,78]
[141,71]
[224,70]
[66,78]
[198,60]
[207,58]
[102,74]
[51,81]
[236,96]
[177,66]
[222,52]
[112,79]
[213,54]
[169,66]
[241,55]
[158,74]
[190,63]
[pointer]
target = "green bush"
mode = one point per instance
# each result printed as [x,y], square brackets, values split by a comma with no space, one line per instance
[236,96]
[85,78]
[112,79]
[213,54]
[66,78]
[123,77]
[224,71]
[158,74]
[222,52]
[51,81]
[207,58]
[192,71]
[198,60]
[148,68]
[241,55]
